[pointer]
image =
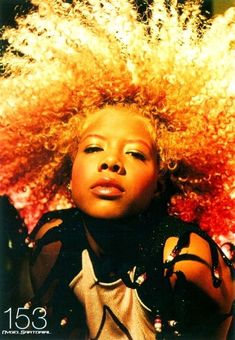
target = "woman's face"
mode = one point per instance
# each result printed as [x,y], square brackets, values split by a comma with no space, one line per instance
[115,171]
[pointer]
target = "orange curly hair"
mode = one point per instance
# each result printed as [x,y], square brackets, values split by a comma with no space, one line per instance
[66,60]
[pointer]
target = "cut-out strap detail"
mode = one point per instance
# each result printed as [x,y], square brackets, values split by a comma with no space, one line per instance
[183,241]
[53,274]
[52,235]
[215,263]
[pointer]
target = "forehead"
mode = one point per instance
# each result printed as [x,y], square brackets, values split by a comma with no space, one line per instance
[118,121]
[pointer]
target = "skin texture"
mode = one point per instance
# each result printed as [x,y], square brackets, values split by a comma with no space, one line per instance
[114,174]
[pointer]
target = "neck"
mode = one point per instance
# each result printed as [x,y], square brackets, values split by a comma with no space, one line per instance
[92,243]
[119,237]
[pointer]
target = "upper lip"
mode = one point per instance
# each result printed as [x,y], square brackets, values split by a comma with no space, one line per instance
[107,182]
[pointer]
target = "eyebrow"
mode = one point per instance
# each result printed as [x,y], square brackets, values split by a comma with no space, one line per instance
[137,140]
[129,140]
[93,135]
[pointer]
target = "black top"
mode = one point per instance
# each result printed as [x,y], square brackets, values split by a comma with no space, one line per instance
[137,241]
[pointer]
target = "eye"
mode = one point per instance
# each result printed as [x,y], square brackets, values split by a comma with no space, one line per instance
[92,149]
[136,155]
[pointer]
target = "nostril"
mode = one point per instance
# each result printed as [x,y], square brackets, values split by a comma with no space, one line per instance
[104,166]
[112,167]
[116,168]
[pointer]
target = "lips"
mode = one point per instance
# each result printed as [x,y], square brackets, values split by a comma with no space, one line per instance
[107,188]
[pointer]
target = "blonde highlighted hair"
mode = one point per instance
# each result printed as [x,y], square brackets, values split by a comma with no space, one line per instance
[66,60]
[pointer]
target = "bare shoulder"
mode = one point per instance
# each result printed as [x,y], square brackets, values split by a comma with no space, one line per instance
[198,268]
[196,262]
[46,254]
[55,222]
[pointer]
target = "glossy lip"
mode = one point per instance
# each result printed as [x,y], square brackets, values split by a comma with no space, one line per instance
[107,187]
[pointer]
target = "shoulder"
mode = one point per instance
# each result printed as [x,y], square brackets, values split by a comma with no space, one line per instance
[52,219]
[57,242]
[202,262]
[53,239]
[206,272]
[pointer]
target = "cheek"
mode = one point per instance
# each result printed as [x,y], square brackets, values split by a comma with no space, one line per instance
[79,171]
[78,183]
[146,183]
[75,172]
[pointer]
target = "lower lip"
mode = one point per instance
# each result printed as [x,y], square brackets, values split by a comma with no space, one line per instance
[107,191]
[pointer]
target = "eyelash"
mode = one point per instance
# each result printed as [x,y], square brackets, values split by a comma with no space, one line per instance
[134,154]
[91,149]
[137,155]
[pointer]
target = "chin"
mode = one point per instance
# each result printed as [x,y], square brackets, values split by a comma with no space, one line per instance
[108,210]
[106,215]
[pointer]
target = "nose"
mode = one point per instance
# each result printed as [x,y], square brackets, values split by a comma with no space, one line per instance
[112,164]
